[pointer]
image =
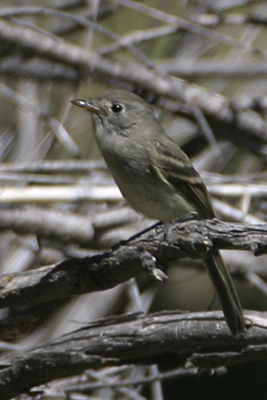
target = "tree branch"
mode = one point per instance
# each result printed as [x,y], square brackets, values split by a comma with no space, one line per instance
[246,128]
[168,337]
[147,252]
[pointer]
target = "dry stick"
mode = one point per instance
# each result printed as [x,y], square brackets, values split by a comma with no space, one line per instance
[235,214]
[195,339]
[152,12]
[37,69]
[51,166]
[138,37]
[59,193]
[56,126]
[178,373]
[145,253]
[64,227]
[194,68]
[187,25]
[71,26]
[8,13]
[128,393]
[216,107]
[213,20]
[79,58]
[68,227]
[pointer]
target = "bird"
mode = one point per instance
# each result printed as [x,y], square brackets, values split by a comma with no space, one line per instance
[156,177]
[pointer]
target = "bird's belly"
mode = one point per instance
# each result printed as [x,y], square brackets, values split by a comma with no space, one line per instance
[156,201]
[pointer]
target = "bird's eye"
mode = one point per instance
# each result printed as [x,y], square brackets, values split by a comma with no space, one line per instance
[117,108]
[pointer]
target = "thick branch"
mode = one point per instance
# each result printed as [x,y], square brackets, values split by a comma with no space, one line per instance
[136,339]
[143,253]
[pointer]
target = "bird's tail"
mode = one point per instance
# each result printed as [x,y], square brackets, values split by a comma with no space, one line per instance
[230,302]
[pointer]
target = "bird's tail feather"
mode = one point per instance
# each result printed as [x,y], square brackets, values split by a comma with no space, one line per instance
[230,302]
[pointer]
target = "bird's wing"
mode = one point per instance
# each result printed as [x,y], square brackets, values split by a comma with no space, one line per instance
[173,165]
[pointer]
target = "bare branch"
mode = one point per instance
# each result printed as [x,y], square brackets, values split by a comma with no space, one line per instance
[136,339]
[60,193]
[49,166]
[62,226]
[247,128]
[143,253]
[186,25]
[51,224]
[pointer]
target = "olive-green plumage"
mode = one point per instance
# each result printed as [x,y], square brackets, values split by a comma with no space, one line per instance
[155,175]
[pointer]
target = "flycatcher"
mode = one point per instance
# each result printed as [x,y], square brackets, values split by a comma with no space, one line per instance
[155,176]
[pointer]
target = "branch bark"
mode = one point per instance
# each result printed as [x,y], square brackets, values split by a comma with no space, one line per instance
[195,339]
[147,252]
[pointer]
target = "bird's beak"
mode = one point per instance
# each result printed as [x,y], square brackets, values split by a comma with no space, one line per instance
[88,105]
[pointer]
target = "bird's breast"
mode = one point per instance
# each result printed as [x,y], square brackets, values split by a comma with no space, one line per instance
[146,192]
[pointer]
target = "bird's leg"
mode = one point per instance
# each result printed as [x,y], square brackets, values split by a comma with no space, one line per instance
[186,217]
[136,235]
[150,228]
